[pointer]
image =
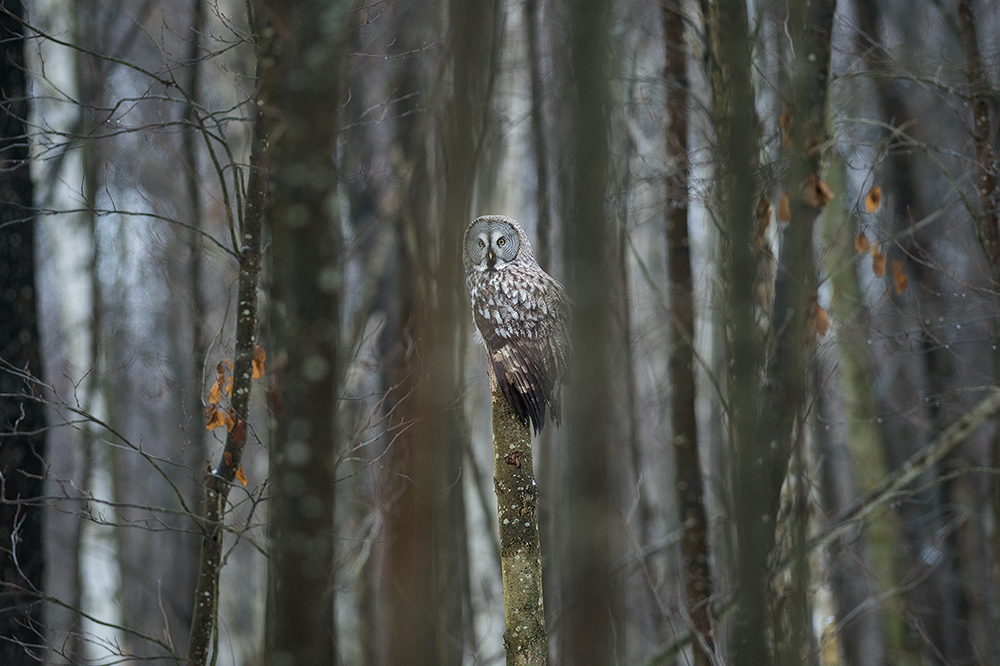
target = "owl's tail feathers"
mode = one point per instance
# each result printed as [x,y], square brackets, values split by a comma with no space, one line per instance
[522,404]
[524,385]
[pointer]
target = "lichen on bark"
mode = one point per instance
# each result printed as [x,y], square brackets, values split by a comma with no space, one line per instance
[525,639]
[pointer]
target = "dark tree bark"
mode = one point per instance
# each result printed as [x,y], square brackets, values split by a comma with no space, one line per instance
[780,440]
[301,95]
[763,423]
[475,48]
[687,465]
[736,129]
[586,631]
[397,609]
[543,248]
[195,258]
[188,337]
[986,182]
[411,623]
[979,602]
[22,421]
[430,611]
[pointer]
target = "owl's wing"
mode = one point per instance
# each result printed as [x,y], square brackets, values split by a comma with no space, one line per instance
[524,378]
[554,338]
[523,368]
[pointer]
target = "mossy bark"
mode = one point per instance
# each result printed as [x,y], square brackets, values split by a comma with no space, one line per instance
[524,635]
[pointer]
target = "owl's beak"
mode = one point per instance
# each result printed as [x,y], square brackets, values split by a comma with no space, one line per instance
[491,258]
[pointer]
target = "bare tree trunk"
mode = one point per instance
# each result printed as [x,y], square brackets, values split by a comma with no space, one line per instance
[979,599]
[793,322]
[900,437]
[586,632]
[847,442]
[475,48]
[687,465]
[733,103]
[301,94]
[22,421]
[634,596]
[763,447]
[412,616]
[539,144]
[859,629]
[91,76]
[192,358]
[796,283]
[195,258]
[524,638]
[411,622]
[430,608]
[986,183]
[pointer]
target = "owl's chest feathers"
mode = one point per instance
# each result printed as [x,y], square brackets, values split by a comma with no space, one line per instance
[506,305]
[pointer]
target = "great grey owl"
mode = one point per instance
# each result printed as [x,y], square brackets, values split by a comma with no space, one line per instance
[522,314]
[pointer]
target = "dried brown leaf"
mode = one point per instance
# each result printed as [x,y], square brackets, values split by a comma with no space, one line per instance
[825,192]
[214,417]
[763,215]
[861,242]
[818,321]
[878,261]
[259,356]
[215,393]
[816,192]
[784,122]
[784,208]
[821,321]
[874,199]
[898,276]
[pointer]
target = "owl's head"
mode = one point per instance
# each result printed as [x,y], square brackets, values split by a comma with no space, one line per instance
[493,241]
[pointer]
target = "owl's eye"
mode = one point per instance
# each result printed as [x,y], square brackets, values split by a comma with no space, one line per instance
[501,242]
[482,243]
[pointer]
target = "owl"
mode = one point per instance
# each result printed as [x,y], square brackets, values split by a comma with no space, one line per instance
[522,315]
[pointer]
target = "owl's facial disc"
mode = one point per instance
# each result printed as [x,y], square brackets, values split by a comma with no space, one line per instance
[495,253]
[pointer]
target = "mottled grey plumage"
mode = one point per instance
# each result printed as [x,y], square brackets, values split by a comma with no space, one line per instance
[522,314]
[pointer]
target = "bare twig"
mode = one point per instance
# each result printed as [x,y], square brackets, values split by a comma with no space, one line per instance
[915,465]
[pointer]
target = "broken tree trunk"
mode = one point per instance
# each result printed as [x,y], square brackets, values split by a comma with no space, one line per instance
[524,636]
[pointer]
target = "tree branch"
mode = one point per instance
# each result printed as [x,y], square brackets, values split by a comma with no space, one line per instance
[219,481]
[905,474]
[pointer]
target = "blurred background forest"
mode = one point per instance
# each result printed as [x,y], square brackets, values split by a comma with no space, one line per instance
[244,416]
